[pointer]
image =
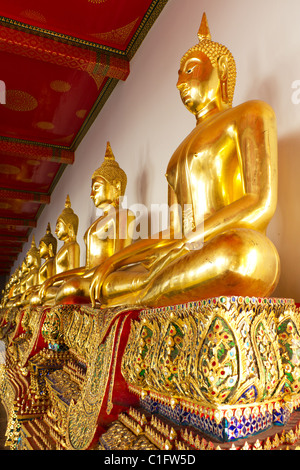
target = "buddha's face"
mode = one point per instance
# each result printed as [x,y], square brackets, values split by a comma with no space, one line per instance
[29,260]
[24,267]
[102,192]
[61,230]
[44,250]
[198,82]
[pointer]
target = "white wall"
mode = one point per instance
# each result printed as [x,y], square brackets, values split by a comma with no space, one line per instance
[144,119]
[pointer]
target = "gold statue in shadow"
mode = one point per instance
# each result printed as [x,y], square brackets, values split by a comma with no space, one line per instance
[47,251]
[223,181]
[110,233]
[14,287]
[27,275]
[67,258]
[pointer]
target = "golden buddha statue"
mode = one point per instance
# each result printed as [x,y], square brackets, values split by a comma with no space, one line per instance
[110,233]
[47,247]
[67,258]
[7,292]
[20,287]
[33,262]
[26,275]
[13,288]
[223,180]
[24,272]
[47,251]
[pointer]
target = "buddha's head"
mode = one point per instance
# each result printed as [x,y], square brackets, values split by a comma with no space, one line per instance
[48,244]
[207,74]
[24,268]
[67,223]
[19,272]
[33,259]
[108,182]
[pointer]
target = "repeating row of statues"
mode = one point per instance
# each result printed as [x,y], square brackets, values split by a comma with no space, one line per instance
[60,276]
[225,172]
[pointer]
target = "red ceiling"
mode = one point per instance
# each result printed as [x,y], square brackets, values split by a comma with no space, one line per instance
[109,23]
[59,62]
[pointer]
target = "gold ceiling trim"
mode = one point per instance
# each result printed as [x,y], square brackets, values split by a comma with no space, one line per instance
[147,22]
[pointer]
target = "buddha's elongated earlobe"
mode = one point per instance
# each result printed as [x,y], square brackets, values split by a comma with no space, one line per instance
[223,76]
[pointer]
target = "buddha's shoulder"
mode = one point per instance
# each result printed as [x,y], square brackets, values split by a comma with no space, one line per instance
[256,108]
[67,246]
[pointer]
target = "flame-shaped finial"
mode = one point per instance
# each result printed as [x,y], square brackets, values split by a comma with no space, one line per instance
[68,202]
[33,245]
[33,251]
[109,153]
[204,32]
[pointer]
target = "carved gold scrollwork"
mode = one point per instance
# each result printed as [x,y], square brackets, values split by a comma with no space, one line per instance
[222,351]
[219,363]
[264,339]
[133,362]
[82,415]
[52,327]
[289,341]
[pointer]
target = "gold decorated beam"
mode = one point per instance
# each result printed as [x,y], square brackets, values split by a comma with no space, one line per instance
[17,222]
[13,249]
[24,196]
[7,259]
[11,238]
[30,151]
[96,63]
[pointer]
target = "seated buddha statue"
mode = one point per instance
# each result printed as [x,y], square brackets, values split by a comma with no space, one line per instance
[27,274]
[223,180]
[47,251]
[33,262]
[20,287]
[108,234]
[48,248]
[13,288]
[24,272]
[67,258]
[7,292]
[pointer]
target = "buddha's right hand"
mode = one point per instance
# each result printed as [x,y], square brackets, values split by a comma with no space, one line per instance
[97,281]
[43,290]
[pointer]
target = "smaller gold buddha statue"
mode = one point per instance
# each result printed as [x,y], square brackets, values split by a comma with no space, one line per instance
[6,293]
[67,258]
[12,288]
[15,283]
[48,248]
[33,263]
[27,275]
[24,271]
[20,285]
[110,233]
[47,251]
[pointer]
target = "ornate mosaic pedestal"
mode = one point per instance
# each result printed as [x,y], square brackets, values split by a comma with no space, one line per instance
[80,373]
[215,374]
[227,366]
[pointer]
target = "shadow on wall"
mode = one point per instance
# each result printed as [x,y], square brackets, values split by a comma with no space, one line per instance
[143,177]
[284,229]
[141,204]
